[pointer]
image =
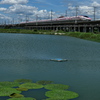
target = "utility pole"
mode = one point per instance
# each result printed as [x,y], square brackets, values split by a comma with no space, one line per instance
[27,18]
[94,10]
[76,8]
[13,21]
[66,13]
[51,17]
[36,19]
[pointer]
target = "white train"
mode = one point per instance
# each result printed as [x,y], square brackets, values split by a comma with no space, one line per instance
[74,18]
[61,19]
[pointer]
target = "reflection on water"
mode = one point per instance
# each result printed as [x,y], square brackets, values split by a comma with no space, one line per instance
[28,56]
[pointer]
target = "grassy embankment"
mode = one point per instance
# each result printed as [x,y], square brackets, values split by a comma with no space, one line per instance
[81,35]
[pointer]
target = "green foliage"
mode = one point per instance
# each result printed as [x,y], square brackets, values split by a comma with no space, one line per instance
[6,91]
[61,94]
[8,84]
[74,34]
[22,89]
[82,35]
[56,86]
[58,91]
[94,36]
[55,99]
[85,35]
[31,86]
[23,80]
[44,82]
[23,98]
[16,95]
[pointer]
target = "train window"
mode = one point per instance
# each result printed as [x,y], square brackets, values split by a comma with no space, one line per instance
[86,16]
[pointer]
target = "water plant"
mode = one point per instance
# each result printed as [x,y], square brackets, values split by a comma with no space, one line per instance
[56,86]
[23,98]
[8,84]
[7,91]
[31,86]
[55,91]
[44,82]
[61,94]
[22,89]
[23,80]
[16,95]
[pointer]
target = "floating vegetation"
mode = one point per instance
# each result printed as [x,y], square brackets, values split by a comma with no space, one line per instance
[22,89]
[56,86]
[16,95]
[23,80]
[55,91]
[54,99]
[61,94]
[6,91]
[44,82]
[31,86]
[8,84]
[23,98]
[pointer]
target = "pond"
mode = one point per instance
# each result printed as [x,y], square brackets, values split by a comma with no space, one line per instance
[27,56]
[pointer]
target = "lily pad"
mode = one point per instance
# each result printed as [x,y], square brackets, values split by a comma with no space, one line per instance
[6,91]
[16,95]
[8,84]
[55,99]
[22,89]
[31,86]
[56,86]
[44,82]
[23,80]
[23,98]
[61,94]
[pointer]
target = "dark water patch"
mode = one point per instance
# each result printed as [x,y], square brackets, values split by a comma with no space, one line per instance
[39,94]
[4,97]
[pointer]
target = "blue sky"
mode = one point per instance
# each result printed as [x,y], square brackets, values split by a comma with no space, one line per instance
[15,11]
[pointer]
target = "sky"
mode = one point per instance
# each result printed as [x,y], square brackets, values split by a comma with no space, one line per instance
[15,11]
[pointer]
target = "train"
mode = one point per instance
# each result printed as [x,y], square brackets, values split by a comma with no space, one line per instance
[60,20]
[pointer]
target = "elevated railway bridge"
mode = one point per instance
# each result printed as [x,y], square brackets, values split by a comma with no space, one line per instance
[80,26]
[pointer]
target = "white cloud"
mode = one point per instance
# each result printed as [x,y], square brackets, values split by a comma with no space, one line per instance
[96,4]
[14,2]
[3,9]
[21,9]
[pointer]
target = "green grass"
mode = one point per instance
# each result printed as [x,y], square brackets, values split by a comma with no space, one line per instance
[82,35]
[86,36]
